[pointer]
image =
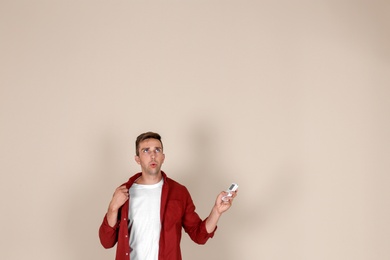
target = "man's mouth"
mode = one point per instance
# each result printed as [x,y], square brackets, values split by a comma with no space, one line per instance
[153,164]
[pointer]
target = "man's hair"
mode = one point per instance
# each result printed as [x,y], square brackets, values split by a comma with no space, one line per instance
[144,136]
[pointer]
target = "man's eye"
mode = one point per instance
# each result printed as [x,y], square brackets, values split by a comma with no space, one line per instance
[145,150]
[158,150]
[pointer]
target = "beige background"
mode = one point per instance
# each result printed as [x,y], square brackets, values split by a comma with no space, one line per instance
[290,99]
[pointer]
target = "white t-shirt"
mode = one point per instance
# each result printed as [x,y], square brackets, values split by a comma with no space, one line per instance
[145,224]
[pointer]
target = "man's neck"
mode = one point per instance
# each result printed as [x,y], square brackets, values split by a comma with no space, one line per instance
[147,179]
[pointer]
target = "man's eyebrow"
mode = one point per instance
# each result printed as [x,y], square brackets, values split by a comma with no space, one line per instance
[147,148]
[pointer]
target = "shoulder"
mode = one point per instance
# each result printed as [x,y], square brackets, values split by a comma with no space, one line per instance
[176,187]
[174,184]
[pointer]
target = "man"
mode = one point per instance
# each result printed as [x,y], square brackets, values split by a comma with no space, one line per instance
[147,213]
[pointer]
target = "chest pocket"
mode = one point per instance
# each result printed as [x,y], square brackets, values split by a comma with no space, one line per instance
[173,214]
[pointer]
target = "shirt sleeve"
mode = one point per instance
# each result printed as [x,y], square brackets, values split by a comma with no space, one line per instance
[194,225]
[108,235]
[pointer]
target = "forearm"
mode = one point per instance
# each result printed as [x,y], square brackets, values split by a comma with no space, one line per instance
[212,220]
[112,217]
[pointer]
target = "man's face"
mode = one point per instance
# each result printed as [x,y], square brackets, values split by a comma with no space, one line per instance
[151,156]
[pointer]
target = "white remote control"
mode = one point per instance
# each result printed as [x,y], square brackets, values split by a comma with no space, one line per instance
[232,188]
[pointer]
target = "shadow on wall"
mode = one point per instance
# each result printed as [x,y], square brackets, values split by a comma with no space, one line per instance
[248,218]
[201,178]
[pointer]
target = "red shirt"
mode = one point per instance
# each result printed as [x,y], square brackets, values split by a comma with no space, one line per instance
[177,211]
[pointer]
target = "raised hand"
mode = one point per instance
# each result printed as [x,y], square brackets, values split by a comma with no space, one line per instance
[121,195]
[224,205]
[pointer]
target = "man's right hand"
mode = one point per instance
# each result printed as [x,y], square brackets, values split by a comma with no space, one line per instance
[121,195]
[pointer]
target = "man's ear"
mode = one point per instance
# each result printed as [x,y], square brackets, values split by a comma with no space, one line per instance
[137,159]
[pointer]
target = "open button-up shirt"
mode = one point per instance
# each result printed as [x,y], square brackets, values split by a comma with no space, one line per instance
[177,211]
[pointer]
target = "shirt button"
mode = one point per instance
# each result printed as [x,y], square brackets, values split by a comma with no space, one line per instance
[124,219]
[127,253]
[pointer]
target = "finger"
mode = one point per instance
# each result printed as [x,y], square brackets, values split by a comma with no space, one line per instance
[123,187]
[230,198]
[121,190]
[125,193]
[226,204]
